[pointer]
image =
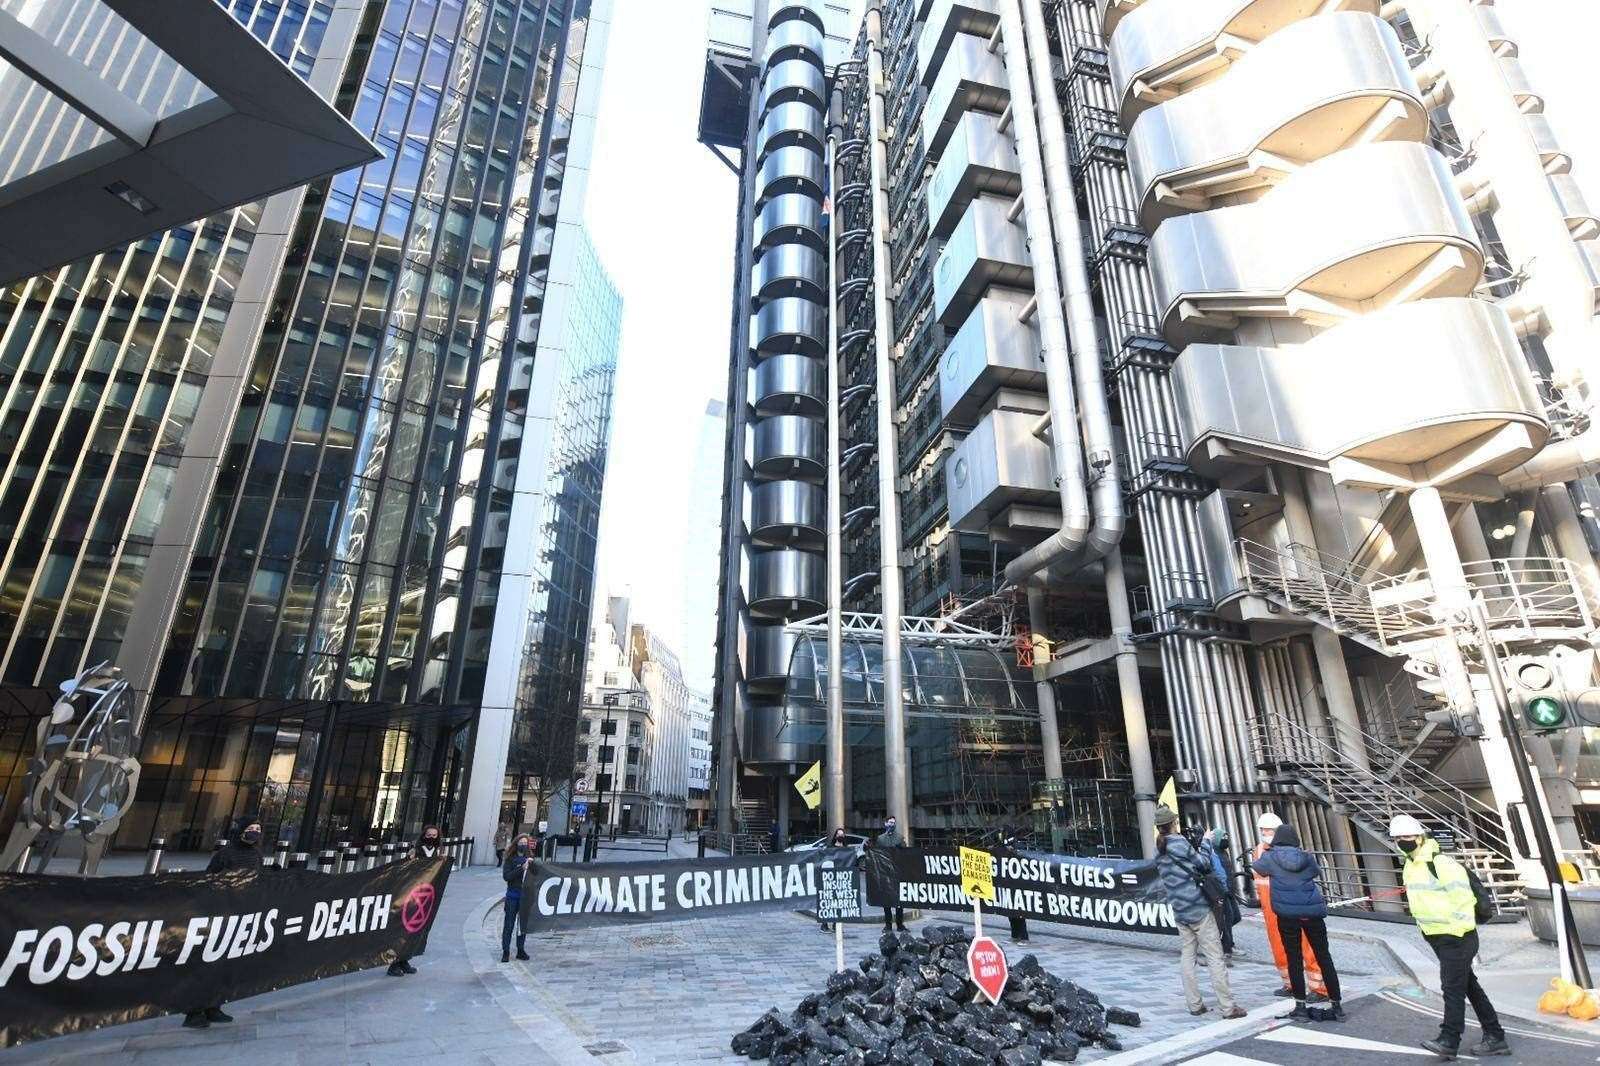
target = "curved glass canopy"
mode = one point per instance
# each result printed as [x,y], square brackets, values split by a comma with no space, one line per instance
[938,681]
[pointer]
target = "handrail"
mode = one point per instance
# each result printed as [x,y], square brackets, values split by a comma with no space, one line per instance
[1416,783]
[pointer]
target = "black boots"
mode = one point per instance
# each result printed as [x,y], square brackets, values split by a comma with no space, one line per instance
[196,1019]
[522,951]
[1446,1052]
[1491,1045]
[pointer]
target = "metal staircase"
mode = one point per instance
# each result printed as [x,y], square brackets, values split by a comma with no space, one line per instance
[1370,798]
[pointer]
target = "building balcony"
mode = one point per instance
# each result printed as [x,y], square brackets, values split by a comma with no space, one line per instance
[986,248]
[791,324]
[791,170]
[1364,229]
[787,514]
[793,38]
[791,385]
[972,78]
[1001,463]
[1308,91]
[977,159]
[791,126]
[1164,48]
[791,270]
[1438,384]
[789,446]
[794,81]
[993,349]
[786,583]
[1112,12]
[766,657]
[946,19]
[790,219]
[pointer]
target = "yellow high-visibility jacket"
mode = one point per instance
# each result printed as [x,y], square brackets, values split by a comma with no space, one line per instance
[1442,904]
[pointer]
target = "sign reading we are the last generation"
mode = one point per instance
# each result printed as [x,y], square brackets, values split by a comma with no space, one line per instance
[79,953]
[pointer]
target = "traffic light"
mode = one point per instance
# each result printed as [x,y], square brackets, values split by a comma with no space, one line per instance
[1466,724]
[1537,686]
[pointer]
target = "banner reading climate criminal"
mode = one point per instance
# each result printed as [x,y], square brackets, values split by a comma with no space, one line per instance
[1106,893]
[558,895]
[80,953]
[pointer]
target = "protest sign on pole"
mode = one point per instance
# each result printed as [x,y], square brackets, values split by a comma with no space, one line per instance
[838,898]
[80,953]
[809,785]
[977,881]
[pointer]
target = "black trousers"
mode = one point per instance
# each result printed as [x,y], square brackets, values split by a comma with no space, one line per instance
[1458,984]
[1019,927]
[899,917]
[513,921]
[1316,933]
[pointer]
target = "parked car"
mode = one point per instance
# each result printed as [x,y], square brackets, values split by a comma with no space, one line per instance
[855,843]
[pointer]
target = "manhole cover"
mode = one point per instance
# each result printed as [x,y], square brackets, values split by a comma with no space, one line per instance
[605,1047]
[656,940]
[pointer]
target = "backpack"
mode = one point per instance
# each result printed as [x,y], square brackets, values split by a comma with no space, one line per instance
[1483,907]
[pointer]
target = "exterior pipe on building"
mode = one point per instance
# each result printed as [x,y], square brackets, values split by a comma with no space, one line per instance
[833,777]
[1099,444]
[1066,443]
[897,770]
[1560,462]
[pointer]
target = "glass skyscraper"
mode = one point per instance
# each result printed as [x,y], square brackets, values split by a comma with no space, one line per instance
[308,469]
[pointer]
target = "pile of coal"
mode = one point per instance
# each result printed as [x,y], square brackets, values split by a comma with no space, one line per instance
[912,1005]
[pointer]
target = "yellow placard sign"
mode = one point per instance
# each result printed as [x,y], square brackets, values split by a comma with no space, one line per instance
[977,874]
[1570,874]
[809,785]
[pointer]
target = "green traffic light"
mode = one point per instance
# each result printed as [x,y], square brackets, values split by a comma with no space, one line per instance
[1543,712]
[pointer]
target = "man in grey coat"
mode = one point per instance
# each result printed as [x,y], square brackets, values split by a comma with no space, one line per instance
[890,838]
[1182,868]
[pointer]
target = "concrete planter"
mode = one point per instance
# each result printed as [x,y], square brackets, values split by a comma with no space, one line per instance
[1585,909]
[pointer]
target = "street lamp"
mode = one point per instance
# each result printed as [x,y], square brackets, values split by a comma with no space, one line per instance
[609,701]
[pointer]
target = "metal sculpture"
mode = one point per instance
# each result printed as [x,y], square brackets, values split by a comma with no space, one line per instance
[83,774]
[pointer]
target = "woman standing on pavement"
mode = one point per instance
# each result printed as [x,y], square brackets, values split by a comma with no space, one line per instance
[427,848]
[838,841]
[515,867]
[1182,870]
[243,852]
[1301,910]
[1228,914]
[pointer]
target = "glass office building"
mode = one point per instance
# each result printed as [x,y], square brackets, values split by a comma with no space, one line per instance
[287,466]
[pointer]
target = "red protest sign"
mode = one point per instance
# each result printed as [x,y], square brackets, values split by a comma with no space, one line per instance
[986,965]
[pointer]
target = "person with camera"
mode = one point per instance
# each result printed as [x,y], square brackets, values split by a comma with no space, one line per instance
[1194,892]
[1448,903]
[1302,913]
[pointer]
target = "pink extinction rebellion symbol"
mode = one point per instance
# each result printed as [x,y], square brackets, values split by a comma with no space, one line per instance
[417,908]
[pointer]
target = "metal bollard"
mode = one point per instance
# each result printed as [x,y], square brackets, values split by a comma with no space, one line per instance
[701,850]
[325,862]
[452,848]
[342,847]
[388,853]
[372,855]
[352,859]
[299,860]
[21,865]
[466,854]
[152,859]
[283,849]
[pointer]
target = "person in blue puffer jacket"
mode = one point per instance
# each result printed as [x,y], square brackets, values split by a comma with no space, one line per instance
[1298,902]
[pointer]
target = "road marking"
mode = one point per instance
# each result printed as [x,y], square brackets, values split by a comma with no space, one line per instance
[1428,1011]
[1293,1034]
[1222,1058]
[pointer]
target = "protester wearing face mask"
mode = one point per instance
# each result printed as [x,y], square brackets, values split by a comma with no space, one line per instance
[1441,898]
[890,838]
[427,848]
[242,852]
[1317,990]
[837,841]
[515,867]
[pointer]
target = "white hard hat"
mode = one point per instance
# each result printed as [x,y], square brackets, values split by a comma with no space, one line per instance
[1268,821]
[1403,825]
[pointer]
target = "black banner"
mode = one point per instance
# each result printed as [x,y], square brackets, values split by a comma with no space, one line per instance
[562,896]
[1105,893]
[80,953]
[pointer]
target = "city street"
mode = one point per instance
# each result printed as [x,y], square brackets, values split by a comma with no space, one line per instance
[1386,1027]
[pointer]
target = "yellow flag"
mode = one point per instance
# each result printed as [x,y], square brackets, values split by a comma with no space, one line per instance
[1169,795]
[809,785]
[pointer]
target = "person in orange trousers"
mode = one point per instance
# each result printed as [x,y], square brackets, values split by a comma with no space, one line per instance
[1266,826]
